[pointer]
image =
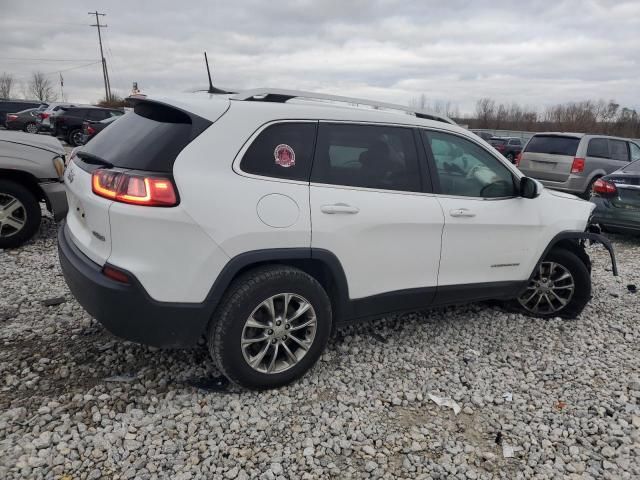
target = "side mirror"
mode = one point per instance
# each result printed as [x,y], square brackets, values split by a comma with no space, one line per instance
[529,188]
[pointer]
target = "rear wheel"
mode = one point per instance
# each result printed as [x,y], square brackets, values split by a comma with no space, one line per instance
[19,214]
[75,138]
[560,287]
[510,157]
[587,193]
[31,127]
[271,327]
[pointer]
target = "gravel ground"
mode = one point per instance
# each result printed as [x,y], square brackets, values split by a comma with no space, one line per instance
[538,399]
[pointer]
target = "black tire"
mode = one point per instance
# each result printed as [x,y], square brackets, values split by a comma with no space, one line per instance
[582,285]
[243,296]
[587,193]
[75,137]
[31,127]
[510,157]
[31,213]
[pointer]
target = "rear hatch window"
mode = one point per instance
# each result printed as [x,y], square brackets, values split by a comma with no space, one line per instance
[149,138]
[553,145]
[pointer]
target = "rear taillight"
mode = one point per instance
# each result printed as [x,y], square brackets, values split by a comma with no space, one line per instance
[44,115]
[134,188]
[12,117]
[518,159]
[578,165]
[90,130]
[604,188]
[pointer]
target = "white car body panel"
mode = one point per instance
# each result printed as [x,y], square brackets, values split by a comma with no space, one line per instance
[88,216]
[392,242]
[171,256]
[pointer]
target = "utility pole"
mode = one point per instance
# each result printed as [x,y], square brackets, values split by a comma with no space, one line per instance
[105,74]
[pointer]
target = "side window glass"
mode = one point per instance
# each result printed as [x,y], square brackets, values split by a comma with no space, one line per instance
[635,151]
[367,156]
[598,147]
[283,150]
[466,169]
[619,150]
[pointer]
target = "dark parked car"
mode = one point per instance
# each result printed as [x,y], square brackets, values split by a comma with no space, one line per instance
[9,106]
[510,147]
[91,129]
[68,125]
[483,135]
[617,197]
[26,120]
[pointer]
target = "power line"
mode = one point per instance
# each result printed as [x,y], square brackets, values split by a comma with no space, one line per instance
[23,20]
[46,59]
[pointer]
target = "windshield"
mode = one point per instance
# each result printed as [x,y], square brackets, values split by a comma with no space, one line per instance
[553,145]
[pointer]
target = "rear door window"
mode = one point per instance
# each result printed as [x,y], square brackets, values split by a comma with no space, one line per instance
[368,156]
[635,151]
[96,115]
[553,145]
[619,150]
[283,150]
[598,147]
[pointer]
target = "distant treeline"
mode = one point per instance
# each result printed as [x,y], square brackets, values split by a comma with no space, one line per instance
[587,116]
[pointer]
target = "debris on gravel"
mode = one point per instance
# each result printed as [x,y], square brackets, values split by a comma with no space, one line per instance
[77,403]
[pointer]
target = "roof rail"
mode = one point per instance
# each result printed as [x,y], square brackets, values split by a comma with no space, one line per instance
[281,96]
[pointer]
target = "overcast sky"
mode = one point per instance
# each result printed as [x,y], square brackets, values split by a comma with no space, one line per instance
[535,52]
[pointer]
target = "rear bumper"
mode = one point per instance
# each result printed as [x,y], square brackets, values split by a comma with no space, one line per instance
[56,199]
[126,310]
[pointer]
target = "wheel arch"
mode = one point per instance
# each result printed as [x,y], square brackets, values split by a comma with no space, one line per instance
[574,242]
[26,180]
[321,264]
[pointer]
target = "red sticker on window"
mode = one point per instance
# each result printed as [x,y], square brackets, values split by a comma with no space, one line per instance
[284,155]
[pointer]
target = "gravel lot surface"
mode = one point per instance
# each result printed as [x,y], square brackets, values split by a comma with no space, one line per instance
[538,399]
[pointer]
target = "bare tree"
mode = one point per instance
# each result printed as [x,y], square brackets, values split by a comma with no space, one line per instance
[485,111]
[6,84]
[41,87]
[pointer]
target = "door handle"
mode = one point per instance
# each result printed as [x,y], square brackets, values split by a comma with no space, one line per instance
[461,212]
[339,208]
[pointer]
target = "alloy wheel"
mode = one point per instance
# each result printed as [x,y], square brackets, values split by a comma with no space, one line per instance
[13,215]
[76,138]
[32,128]
[279,333]
[549,291]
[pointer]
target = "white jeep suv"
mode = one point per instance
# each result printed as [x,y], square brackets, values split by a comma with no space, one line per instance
[262,219]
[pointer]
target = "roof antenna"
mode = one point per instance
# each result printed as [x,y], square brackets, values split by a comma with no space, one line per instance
[212,89]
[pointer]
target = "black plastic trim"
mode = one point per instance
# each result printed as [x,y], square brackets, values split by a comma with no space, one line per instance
[475,292]
[579,237]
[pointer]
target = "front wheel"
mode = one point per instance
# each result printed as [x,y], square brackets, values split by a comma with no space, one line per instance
[271,327]
[560,287]
[19,214]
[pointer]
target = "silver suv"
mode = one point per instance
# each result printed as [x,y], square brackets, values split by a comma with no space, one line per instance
[572,162]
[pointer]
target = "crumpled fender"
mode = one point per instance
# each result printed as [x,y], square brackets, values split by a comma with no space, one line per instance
[581,237]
